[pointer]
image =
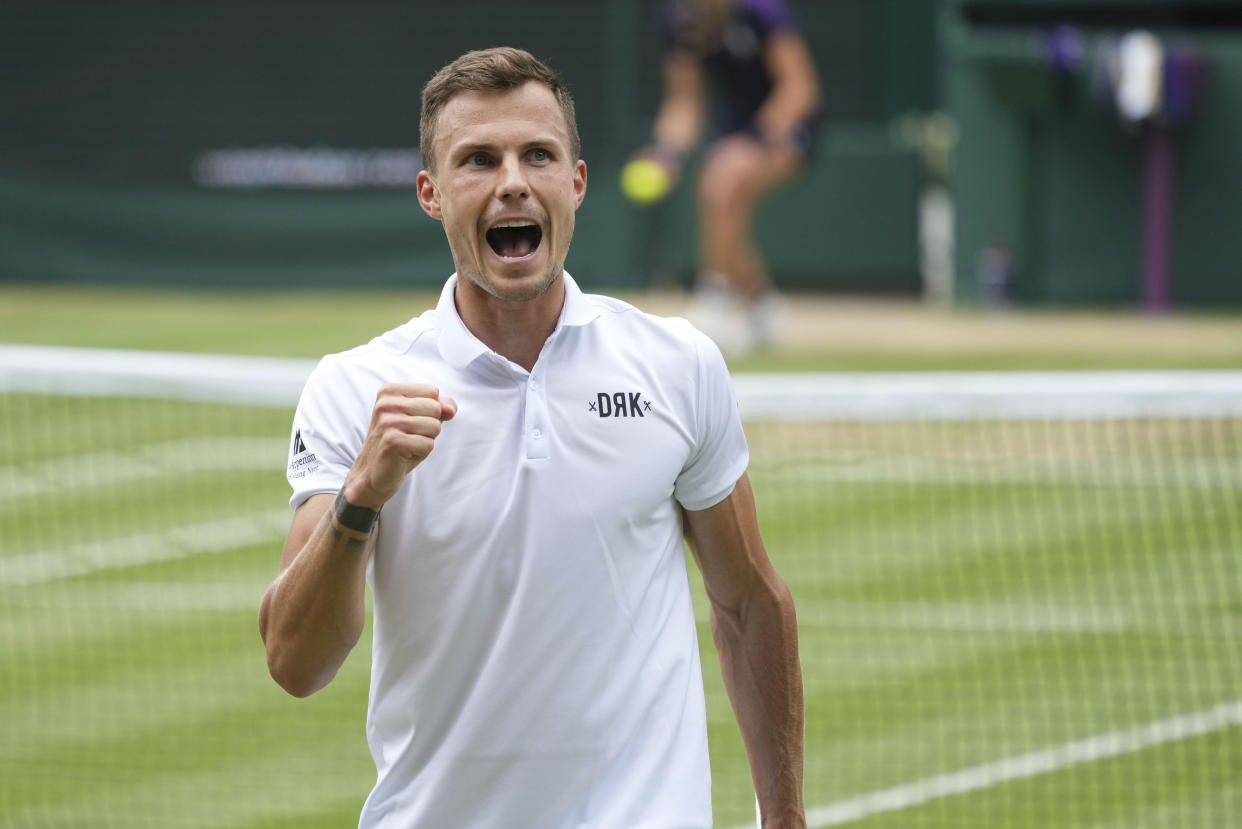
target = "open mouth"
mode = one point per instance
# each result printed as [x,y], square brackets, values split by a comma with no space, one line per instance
[515,238]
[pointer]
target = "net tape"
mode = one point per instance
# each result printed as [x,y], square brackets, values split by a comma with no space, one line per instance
[890,396]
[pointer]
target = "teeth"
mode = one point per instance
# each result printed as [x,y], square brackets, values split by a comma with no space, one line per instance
[515,223]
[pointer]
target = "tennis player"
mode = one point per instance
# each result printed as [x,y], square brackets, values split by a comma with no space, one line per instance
[512,473]
[743,65]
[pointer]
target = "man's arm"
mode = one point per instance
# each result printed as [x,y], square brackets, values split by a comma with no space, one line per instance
[314,612]
[756,634]
[682,110]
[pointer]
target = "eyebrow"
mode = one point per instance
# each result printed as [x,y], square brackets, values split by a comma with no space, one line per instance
[484,146]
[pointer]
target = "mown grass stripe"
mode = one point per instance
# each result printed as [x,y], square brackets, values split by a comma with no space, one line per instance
[990,617]
[1003,686]
[141,506]
[167,458]
[156,596]
[130,698]
[1022,766]
[229,794]
[248,717]
[888,532]
[1219,806]
[1002,543]
[1188,473]
[62,634]
[143,548]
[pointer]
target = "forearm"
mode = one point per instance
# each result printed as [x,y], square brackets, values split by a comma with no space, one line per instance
[682,111]
[758,645]
[314,613]
[678,124]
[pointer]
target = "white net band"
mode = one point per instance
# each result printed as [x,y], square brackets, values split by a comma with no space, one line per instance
[866,397]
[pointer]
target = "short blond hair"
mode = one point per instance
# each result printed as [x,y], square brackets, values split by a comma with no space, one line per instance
[490,70]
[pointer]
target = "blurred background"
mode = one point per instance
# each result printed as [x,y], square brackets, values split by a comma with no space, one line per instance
[977,152]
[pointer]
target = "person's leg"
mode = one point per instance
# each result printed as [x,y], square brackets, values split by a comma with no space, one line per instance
[737,173]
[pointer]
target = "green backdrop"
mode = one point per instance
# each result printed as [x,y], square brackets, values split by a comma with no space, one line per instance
[1047,171]
[111,106]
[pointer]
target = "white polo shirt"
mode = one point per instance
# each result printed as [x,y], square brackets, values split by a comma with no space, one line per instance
[536,661]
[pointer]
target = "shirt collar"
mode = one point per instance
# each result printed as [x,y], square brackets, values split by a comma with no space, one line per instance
[578,310]
[459,347]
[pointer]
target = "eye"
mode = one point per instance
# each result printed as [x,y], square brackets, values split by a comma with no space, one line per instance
[540,154]
[479,159]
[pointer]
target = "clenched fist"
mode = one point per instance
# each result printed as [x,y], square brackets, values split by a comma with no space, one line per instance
[404,426]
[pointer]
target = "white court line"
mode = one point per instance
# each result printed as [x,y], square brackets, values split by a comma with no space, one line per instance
[1023,766]
[145,548]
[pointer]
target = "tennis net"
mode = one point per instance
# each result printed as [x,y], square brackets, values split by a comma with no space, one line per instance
[1018,597]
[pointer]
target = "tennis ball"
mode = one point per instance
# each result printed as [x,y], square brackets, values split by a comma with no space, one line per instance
[644,181]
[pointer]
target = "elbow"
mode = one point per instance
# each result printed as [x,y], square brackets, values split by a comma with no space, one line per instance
[290,674]
[781,601]
[301,665]
[278,664]
[299,691]
[285,664]
[769,606]
[296,688]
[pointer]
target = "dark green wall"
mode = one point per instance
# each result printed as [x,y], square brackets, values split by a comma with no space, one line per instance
[1046,169]
[107,106]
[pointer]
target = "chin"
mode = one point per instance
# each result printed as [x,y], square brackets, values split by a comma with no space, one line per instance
[516,287]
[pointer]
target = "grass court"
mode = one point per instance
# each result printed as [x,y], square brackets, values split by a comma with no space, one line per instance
[1005,625]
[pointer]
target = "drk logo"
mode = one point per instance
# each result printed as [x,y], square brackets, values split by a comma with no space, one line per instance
[620,404]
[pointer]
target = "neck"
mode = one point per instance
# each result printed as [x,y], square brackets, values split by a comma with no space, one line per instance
[514,329]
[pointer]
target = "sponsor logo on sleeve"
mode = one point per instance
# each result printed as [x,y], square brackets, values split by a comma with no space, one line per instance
[302,461]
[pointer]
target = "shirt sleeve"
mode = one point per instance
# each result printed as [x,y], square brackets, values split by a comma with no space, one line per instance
[720,455]
[329,427]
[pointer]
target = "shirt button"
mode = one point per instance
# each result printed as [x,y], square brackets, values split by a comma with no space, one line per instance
[534,384]
[536,433]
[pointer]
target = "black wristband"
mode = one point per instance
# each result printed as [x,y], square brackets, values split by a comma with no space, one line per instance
[352,517]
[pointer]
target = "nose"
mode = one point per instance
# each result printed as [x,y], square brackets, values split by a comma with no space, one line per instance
[512,182]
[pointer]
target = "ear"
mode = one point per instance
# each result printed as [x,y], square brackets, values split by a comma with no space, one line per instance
[429,195]
[580,182]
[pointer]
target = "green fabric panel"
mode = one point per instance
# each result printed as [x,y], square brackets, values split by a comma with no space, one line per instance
[1045,169]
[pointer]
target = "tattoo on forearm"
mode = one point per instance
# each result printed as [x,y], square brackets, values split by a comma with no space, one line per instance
[336,537]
